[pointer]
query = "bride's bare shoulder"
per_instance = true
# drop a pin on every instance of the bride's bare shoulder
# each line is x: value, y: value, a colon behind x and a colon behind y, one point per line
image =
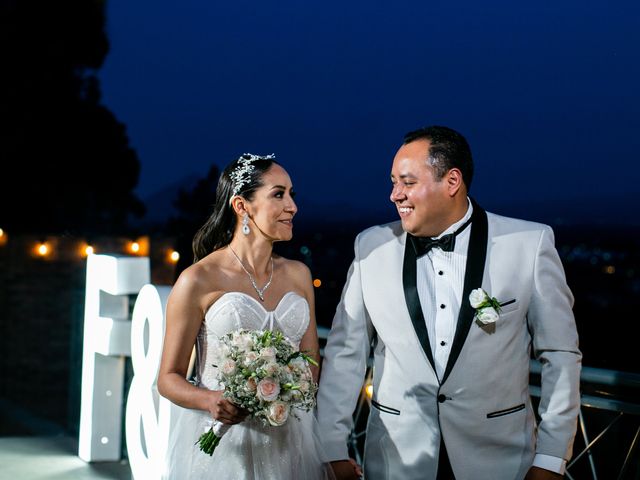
x: 297, y: 272
x: 204, y: 277
x: 295, y: 268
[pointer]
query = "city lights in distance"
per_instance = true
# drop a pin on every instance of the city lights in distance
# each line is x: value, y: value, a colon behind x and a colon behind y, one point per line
x: 1, y: 232
x: 174, y: 256
x: 609, y: 269
x: 88, y: 250
x: 134, y: 247
x: 317, y: 282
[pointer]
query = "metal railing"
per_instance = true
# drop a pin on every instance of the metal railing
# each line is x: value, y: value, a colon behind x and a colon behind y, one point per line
x: 610, y: 405
x: 612, y: 391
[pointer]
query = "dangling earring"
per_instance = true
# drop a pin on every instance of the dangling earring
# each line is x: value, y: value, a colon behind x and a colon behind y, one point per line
x: 245, y: 224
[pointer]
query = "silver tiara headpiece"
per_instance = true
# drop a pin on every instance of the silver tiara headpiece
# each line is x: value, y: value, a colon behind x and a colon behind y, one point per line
x: 241, y: 175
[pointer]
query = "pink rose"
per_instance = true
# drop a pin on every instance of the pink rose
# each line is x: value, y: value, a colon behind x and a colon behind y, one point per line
x: 251, y: 357
x: 278, y: 413
x: 268, y: 389
x: 228, y: 367
x: 251, y: 385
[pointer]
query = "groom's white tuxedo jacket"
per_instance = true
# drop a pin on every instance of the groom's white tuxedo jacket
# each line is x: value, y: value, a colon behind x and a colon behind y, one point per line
x: 481, y: 408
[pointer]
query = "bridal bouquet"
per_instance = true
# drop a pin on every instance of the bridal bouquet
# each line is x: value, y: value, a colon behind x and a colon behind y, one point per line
x: 262, y: 372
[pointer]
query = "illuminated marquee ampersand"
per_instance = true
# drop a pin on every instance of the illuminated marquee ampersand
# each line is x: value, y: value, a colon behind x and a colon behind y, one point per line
x: 147, y: 412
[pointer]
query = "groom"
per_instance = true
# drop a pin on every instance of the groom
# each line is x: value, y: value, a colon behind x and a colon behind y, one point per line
x: 451, y: 387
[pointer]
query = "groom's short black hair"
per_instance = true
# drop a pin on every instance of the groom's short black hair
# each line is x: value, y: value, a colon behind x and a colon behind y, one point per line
x: 448, y: 149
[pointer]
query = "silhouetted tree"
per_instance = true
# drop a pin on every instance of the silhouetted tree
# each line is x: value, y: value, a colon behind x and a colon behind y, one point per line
x: 73, y: 168
x: 193, y: 208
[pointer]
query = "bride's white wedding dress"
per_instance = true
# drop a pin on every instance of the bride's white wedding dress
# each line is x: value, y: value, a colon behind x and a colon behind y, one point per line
x: 249, y: 450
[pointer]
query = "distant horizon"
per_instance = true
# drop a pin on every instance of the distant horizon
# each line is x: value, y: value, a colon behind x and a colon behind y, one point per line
x: 551, y: 211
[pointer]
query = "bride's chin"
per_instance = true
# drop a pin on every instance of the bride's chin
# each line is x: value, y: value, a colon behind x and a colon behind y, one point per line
x: 282, y: 238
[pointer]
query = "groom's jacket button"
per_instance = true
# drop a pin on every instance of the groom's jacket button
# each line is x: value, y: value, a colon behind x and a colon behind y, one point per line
x: 441, y: 398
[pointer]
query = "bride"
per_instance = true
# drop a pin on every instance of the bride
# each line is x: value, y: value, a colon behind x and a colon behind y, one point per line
x: 238, y: 282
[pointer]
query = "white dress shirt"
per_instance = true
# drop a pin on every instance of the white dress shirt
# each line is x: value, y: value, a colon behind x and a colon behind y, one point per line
x: 439, y: 281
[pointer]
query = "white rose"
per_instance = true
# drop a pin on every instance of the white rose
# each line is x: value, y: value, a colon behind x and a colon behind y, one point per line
x: 268, y: 354
x: 477, y: 297
x: 298, y: 363
x: 487, y: 315
x: 268, y: 389
x: 243, y: 341
x: 278, y: 413
x: 271, y: 369
x: 228, y: 367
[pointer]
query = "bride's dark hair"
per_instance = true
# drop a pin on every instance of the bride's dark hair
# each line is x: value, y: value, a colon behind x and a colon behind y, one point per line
x: 217, y: 232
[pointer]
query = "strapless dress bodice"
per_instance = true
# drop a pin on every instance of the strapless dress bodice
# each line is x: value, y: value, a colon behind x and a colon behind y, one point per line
x: 237, y: 310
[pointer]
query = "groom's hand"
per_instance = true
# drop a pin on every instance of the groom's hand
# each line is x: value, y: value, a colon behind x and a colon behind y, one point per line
x: 346, y: 469
x: 536, y: 473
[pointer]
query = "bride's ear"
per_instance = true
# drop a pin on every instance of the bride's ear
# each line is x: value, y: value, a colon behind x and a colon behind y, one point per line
x: 238, y: 204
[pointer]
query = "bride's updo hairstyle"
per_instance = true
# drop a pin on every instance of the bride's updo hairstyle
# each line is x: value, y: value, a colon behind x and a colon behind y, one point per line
x: 241, y: 177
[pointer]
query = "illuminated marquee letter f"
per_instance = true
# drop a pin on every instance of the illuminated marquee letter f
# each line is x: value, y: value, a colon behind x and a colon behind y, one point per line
x: 107, y: 340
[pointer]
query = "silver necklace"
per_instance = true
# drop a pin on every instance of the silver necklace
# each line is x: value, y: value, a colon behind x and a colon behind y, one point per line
x: 259, y: 291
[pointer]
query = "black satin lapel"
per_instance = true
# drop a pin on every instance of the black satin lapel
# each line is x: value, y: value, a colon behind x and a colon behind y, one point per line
x: 474, y: 271
x: 409, y: 270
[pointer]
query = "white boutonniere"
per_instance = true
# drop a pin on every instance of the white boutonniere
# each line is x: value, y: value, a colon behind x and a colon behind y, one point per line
x: 487, y: 308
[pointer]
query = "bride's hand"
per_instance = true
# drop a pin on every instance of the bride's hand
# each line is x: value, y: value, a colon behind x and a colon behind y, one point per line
x: 224, y: 411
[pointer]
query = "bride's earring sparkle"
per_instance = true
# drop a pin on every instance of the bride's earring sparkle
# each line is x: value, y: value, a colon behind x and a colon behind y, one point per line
x: 245, y: 224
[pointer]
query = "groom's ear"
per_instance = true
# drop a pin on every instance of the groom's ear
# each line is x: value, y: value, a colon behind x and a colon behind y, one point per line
x: 454, y: 181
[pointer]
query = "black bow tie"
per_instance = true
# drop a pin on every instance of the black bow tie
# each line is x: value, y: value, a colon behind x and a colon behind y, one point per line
x: 446, y: 243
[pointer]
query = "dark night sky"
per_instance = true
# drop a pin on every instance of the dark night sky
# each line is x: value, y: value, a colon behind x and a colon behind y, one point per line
x: 546, y: 93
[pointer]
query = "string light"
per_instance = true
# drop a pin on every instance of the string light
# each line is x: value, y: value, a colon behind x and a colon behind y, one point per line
x: 42, y: 249
x: 139, y: 246
x: 174, y: 256
x: 317, y: 282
